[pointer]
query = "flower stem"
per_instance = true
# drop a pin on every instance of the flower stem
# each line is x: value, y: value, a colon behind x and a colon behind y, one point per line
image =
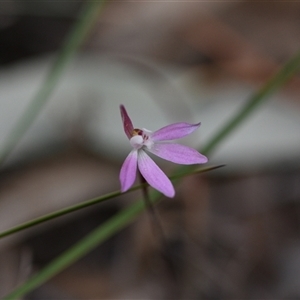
x: 157, y: 227
x: 164, y: 247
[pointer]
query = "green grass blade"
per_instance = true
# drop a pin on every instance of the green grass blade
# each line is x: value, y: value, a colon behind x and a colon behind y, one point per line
x: 85, y: 22
x: 278, y: 80
x: 90, y: 202
x: 100, y: 234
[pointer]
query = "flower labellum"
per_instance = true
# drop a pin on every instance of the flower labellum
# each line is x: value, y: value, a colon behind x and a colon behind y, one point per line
x: 156, y: 142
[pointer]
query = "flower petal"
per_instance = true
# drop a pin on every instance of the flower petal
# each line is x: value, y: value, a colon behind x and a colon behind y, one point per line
x: 128, y: 171
x: 127, y: 124
x: 154, y: 175
x: 178, y: 154
x: 174, y: 131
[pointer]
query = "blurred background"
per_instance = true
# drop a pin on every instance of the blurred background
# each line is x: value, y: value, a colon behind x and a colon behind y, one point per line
x: 232, y: 233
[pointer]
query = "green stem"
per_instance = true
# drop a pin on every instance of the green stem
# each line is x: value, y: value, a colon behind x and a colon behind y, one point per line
x: 88, y: 203
x: 288, y: 70
x: 91, y: 241
x: 62, y: 212
x: 79, y: 32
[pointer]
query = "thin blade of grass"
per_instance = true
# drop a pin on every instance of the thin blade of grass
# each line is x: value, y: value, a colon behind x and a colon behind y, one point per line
x: 278, y: 80
x: 79, y: 32
x: 91, y: 202
x: 91, y: 241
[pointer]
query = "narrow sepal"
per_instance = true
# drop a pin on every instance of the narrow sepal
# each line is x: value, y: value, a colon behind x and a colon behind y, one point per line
x: 154, y: 175
x: 178, y: 153
x: 128, y: 171
x: 174, y: 131
x: 127, y: 124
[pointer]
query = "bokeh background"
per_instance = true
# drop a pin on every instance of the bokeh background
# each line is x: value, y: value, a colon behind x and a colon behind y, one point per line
x: 233, y: 232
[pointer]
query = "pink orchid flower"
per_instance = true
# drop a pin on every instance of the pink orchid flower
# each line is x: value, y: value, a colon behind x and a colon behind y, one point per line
x: 156, y: 142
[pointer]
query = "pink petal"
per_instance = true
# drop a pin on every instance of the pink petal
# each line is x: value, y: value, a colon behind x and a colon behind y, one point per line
x: 127, y: 124
x: 154, y: 175
x: 179, y: 154
x: 128, y: 171
x: 174, y: 131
